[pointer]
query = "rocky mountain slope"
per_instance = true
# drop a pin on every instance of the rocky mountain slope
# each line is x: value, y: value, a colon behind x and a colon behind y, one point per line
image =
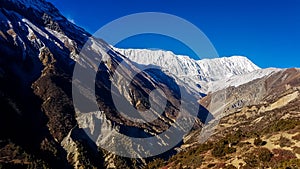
x: 260, y: 128
x: 36, y: 107
x: 39, y: 125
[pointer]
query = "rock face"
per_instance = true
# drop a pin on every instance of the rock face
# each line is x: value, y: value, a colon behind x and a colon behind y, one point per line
x: 39, y: 48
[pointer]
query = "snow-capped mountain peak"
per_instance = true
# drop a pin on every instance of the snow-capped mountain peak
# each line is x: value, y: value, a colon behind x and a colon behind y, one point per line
x: 198, y: 75
x: 180, y: 65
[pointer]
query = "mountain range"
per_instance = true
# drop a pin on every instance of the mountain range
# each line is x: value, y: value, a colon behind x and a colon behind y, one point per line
x: 205, y: 75
x: 245, y: 110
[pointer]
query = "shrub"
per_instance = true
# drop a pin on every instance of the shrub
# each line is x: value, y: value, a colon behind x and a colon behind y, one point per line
x: 264, y: 155
x: 283, y: 125
x: 259, y: 142
x: 282, y: 155
x: 235, y: 138
x: 211, y: 165
x: 222, y: 148
x: 284, y: 142
x: 251, y: 160
x: 203, y: 148
x: 229, y: 150
x: 218, y: 150
x: 157, y: 163
x: 190, y: 158
x: 289, y: 164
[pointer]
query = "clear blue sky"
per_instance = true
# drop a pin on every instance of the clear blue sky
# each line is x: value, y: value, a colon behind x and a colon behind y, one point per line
x: 266, y: 31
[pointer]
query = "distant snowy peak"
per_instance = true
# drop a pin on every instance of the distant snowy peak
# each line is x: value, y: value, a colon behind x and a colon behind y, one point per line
x: 184, y: 66
x: 236, y: 65
x: 238, y: 80
x: 199, y: 76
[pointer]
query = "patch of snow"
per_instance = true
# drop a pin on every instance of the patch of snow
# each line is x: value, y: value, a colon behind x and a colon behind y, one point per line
x: 35, y: 28
x: 62, y: 38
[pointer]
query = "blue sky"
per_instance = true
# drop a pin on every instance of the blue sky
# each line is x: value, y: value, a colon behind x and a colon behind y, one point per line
x: 267, y: 32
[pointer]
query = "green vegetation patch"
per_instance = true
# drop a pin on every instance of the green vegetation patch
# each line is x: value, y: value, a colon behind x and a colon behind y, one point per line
x: 282, y: 125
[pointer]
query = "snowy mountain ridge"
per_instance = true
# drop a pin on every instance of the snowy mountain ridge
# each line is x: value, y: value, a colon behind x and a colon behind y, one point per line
x: 204, y: 75
x: 238, y: 80
x: 208, y: 69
